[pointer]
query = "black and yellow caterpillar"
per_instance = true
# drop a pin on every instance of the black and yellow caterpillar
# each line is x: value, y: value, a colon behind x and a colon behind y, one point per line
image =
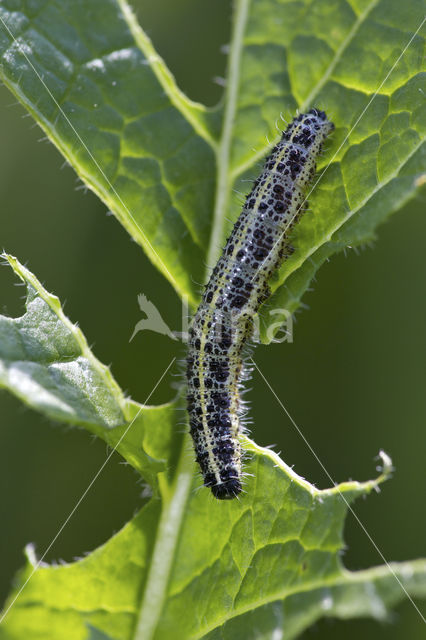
x: 238, y: 285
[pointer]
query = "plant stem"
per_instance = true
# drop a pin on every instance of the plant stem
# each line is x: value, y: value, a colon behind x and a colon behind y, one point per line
x: 165, y: 547
x: 223, y: 156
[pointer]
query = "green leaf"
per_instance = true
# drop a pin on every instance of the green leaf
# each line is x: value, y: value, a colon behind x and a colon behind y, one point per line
x: 212, y: 570
x: 46, y: 362
x: 335, y: 56
x: 168, y: 168
x: 92, y: 80
x: 270, y: 560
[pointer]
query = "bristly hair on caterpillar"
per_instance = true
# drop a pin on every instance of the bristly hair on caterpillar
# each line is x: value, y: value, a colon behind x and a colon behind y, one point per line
x: 257, y: 246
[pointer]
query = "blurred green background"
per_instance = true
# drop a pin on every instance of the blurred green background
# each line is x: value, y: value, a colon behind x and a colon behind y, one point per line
x: 354, y: 378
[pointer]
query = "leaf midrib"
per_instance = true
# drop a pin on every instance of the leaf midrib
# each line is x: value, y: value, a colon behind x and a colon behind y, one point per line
x: 166, y: 540
x: 223, y: 154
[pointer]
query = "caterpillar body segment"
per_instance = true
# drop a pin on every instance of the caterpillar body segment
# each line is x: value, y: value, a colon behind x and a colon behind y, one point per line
x: 238, y: 285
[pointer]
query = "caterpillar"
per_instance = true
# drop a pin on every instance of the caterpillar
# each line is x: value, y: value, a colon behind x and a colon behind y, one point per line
x: 257, y: 246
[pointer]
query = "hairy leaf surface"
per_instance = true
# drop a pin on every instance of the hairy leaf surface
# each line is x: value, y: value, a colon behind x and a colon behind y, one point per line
x: 46, y: 362
x: 169, y: 169
x: 244, y: 569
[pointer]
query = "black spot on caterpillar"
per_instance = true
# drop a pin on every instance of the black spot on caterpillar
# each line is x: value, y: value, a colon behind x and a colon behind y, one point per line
x: 238, y: 285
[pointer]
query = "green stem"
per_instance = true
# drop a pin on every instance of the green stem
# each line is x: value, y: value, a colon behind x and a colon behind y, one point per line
x: 223, y: 157
x: 165, y: 547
